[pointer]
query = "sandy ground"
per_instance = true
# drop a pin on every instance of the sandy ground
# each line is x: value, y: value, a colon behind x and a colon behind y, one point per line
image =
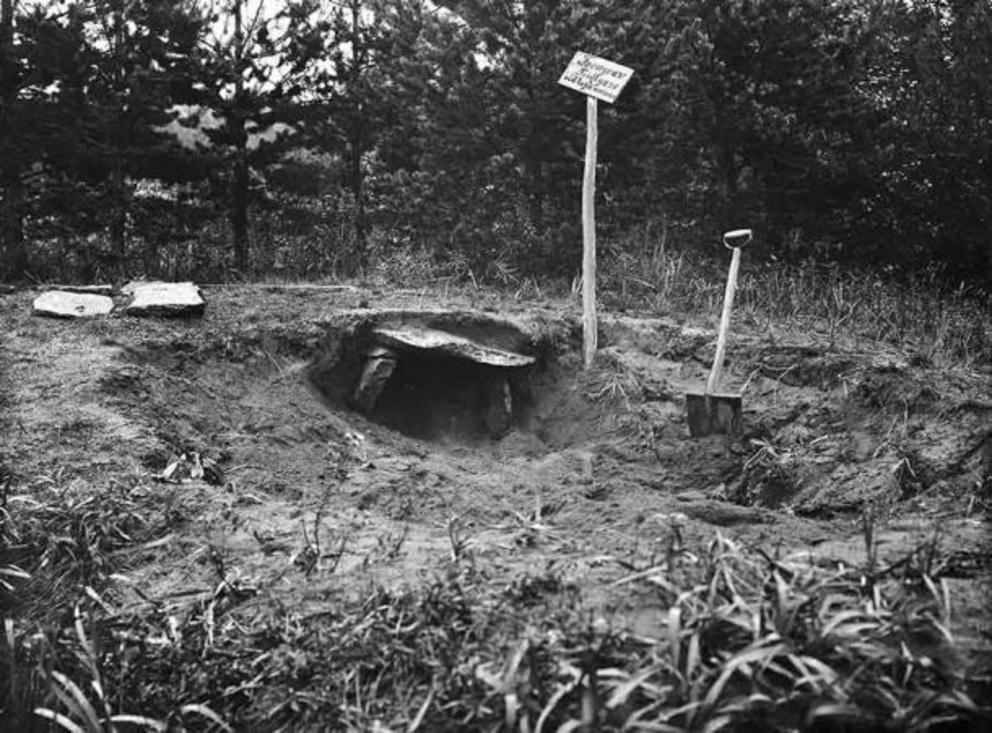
x: 583, y: 485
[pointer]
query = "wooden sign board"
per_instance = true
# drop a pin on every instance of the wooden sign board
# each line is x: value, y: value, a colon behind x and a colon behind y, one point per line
x: 596, y: 77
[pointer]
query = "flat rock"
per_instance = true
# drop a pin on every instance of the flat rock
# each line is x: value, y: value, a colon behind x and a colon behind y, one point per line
x: 430, y: 339
x: 164, y: 299
x: 62, y: 304
x: 90, y: 289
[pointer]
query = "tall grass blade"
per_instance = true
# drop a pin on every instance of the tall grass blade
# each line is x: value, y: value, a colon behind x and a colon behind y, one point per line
x: 73, y: 698
x: 142, y: 720
x: 60, y: 720
x: 207, y: 713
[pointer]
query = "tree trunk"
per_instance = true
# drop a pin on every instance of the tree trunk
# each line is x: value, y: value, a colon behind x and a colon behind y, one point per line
x: 152, y: 247
x: 358, y: 135
x: 239, y: 179
x: 533, y: 150
x: 358, y: 191
x: 118, y: 217
x: 729, y: 178
x: 13, y: 253
x: 535, y: 182
x: 118, y: 194
x: 239, y: 199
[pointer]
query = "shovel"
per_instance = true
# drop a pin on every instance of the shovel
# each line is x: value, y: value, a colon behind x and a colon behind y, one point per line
x: 713, y: 412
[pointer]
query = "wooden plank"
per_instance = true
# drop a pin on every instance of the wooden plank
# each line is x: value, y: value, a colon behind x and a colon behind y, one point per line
x: 596, y: 77
x: 590, y: 334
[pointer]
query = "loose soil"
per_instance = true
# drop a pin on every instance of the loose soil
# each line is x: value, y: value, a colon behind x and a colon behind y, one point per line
x: 583, y: 483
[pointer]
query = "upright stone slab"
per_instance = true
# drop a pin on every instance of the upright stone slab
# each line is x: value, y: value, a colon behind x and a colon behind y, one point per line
x: 379, y: 367
x: 164, y: 299
x: 61, y: 304
x: 498, y: 413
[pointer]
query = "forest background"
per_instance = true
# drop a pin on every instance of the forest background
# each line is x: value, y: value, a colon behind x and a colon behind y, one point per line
x: 313, y: 139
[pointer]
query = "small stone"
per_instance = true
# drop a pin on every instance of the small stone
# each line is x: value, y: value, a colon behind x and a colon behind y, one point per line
x: 521, y: 443
x: 600, y: 626
x: 164, y: 299
x: 723, y: 514
x: 61, y: 304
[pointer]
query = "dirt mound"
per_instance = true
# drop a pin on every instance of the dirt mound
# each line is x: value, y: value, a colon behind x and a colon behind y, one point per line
x: 883, y: 433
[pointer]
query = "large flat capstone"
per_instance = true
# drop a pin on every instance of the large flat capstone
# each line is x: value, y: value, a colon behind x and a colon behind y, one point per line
x: 443, y: 342
x: 164, y: 299
x: 62, y: 304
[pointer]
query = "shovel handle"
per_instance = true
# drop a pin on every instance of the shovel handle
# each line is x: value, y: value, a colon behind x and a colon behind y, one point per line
x: 737, y: 238
x: 728, y: 304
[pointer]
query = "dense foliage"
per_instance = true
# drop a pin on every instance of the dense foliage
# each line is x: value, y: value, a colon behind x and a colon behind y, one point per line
x: 172, y: 137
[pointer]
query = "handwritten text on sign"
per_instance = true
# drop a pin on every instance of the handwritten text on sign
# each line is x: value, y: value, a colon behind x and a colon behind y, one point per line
x: 596, y: 77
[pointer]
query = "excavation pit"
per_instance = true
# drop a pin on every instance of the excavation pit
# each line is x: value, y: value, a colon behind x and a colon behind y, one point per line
x: 446, y: 376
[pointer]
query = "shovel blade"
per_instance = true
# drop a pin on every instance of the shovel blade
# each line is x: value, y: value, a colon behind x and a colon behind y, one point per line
x: 713, y: 414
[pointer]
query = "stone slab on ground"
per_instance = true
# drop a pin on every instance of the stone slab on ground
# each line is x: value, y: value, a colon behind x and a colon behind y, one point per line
x: 430, y: 339
x: 164, y: 299
x: 89, y: 289
x: 62, y: 304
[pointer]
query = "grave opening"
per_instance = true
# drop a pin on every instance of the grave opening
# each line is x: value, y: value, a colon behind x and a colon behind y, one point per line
x: 428, y: 381
x: 433, y: 397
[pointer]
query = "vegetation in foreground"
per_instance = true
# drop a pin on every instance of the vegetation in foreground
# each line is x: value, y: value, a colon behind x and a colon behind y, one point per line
x: 753, y: 641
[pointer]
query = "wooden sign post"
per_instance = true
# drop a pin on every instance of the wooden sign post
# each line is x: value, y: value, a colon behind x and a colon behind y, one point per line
x: 598, y: 79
